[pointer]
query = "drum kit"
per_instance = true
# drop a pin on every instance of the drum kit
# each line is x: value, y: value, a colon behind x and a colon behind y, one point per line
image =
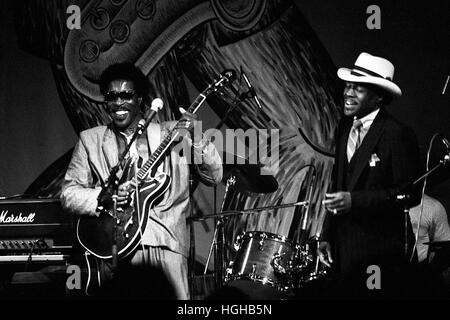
x: 264, y: 265
x: 267, y: 264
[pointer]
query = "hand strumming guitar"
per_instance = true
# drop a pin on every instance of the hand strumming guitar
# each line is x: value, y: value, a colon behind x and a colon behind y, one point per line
x: 124, y: 192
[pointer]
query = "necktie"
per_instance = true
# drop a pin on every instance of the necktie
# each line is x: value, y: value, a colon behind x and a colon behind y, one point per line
x: 354, y: 139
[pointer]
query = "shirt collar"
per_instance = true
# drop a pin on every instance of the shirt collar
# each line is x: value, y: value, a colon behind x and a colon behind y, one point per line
x: 368, y: 119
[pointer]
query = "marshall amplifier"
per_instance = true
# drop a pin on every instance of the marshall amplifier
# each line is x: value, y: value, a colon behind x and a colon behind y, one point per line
x: 34, y: 229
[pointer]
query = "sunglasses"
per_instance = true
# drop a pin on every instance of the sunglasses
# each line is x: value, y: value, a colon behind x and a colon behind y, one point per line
x: 123, y: 95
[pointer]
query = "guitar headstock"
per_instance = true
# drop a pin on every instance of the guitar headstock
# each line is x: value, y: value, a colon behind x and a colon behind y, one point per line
x: 226, y: 77
x: 229, y: 74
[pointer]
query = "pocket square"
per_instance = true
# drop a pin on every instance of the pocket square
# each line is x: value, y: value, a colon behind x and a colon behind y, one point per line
x: 373, y: 160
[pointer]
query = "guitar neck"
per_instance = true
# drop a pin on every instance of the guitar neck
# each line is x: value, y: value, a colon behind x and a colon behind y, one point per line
x: 168, y: 139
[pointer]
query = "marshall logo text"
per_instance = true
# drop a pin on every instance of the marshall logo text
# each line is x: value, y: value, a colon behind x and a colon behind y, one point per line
x: 11, y: 218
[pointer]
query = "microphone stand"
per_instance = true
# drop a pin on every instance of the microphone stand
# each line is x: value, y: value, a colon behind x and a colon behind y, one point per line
x: 111, y: 189
x: 403, y: 197
x: 191, y: 267
x: 218, y: 243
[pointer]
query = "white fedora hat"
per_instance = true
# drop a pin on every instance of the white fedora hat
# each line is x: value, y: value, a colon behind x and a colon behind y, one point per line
x: 371, y: 69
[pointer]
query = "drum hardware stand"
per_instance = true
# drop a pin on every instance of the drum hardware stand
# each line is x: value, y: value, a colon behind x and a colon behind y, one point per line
x: 316, y: 273
x: 191, y: 266
x: 305, y: 218
x: 219, y: 259
x: 218, y: 242
x: 304, y: 238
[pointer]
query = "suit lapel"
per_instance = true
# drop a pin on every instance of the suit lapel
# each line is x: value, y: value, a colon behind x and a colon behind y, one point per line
x: 364, y: 152
x: 154, y: 136
x: 110, y: 148
x: 154, y: 139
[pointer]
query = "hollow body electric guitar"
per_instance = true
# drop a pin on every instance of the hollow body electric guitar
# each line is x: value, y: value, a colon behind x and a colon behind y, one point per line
x: 96, y: 234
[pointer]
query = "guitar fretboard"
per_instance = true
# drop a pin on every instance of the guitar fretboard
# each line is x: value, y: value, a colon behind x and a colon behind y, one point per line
x: 155, y: 156
x: 168, y: 137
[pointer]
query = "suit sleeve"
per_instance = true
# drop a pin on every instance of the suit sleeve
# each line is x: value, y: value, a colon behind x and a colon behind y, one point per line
x: 78, y: 195
x: 405, y: 167
x: 208, y: 163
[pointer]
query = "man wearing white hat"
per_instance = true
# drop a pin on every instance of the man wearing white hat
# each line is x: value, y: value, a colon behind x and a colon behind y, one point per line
x: 375, y: 157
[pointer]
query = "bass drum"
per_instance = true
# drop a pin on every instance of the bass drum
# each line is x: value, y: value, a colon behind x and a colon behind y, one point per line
x: 260, y: 268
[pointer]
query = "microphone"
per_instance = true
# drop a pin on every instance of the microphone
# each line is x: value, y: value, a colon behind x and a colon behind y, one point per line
x: 157, y: 105
x: 251, y: 89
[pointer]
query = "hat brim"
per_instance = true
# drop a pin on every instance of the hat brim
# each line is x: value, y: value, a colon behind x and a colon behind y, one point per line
x: 345, y: 74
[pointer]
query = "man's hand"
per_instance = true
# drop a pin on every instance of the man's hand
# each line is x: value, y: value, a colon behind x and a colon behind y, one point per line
x: 324, y: 253
x: 187, y: 120
x: 124, y: 192
x: 338, y: 202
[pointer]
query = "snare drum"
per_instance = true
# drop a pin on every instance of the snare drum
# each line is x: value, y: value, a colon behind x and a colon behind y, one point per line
x: 264, y: 258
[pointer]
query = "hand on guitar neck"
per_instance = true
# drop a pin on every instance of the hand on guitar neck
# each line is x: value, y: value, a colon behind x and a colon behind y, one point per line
x: 187, y: 120
x: 185, y: 125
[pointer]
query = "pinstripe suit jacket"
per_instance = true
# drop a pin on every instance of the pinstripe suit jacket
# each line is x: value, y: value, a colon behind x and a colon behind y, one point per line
x: 387, y: 160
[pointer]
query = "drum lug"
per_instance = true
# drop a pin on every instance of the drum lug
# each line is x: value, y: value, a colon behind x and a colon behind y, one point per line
x: 229, y: 272
x: 275, y: 263
x: 237, y: 242
x: 261, y: 242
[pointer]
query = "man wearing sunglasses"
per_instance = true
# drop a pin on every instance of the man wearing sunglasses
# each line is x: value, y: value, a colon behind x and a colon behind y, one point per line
x: 158, y: 268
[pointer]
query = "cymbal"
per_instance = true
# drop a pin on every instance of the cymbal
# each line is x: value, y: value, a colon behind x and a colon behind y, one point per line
x: 249, y: 178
